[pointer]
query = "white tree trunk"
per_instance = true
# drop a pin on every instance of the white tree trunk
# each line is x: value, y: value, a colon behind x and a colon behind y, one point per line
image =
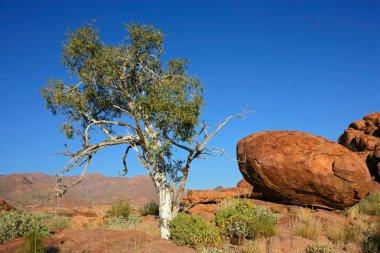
x: 165, y: 211
x: 165, y: 203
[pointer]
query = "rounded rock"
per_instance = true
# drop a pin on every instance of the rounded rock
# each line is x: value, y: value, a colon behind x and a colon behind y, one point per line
x: 300, y: 168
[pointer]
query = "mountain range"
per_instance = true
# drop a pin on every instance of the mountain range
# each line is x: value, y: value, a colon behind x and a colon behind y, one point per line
x: 25, y: 190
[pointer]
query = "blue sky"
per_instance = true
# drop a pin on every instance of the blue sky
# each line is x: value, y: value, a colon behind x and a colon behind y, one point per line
x: 311, y: 66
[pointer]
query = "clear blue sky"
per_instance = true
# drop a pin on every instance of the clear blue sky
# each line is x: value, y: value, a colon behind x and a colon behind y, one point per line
x: 311, y: 66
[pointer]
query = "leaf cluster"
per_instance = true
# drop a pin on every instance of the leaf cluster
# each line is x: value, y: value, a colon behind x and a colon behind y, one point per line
x: 245, y: 220
x: 119, y: 209
x: 14, y: 224
x: 130, y: 76
x: 192, y: 230
x: 150, y: 208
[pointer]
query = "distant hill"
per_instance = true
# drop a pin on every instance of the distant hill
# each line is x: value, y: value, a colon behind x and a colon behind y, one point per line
x: 37, y: 189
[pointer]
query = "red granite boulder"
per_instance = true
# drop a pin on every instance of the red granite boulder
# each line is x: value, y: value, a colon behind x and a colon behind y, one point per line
x: 300, y: 168
x: 363, y: 137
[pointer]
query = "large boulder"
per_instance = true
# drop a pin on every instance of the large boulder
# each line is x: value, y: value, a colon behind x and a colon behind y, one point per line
x: 363, y: 137
x: 300, y: 168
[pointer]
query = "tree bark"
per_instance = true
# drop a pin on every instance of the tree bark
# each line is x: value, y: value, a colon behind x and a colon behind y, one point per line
x: 165, y: 205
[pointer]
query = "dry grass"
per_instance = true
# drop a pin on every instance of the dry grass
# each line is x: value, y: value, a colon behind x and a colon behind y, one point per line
x: 259, y: 245
x: 356, y: 231
x: 306, y: 225
x: 336, y: 232
x: 150, y: 227
x: 229, y: 203
x: 277, y: 208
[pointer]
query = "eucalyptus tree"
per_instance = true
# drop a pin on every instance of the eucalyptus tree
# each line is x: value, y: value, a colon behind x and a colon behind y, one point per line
x: 135, y: 100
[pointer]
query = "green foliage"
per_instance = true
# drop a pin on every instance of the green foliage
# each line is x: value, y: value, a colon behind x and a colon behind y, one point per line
x: 193, y: 231
x: 130, y: 76
x: 317, y: 247
x: 14, y: 224
x: 371, y: 204
x: 120, y: 208
x: 372, y: 244
x: 150, y: 208
x: 57, y: 222
x: 238, y: 228
x: 33, y: 243
x: 121, y: 222
x: 245, y: 219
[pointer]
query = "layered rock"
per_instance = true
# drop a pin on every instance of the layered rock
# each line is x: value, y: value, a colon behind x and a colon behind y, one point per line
x: 300, y: 168
x: 203, y: 201
x: 195, y: 197
x: 363, y: 137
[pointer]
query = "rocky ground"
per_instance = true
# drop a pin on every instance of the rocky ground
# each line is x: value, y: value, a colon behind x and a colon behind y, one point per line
x: 323, y: 180
x: 87, y: 231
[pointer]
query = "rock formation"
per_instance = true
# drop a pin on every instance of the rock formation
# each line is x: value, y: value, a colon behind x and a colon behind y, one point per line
x: 300, y: 168
x: 363, y: 137
x: 194, y: 197
x: 204, y: 201
x: 4, y: 206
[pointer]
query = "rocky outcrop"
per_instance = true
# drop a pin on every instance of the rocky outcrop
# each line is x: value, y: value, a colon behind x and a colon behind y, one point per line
x: 204, y: 201
x: 4, y: 206
x: 363, y: 137
x: 300, y: 168
x: 195, y: 197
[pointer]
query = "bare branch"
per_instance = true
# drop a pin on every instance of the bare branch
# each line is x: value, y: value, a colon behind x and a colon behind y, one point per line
x: 177, y: 144
x: 86, y: 153
x: 125, y: 170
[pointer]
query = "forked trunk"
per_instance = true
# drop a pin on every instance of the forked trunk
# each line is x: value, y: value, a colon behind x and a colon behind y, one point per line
x: 165, y: 211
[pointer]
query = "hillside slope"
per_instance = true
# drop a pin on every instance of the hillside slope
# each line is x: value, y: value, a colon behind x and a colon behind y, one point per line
x: 37, y: 189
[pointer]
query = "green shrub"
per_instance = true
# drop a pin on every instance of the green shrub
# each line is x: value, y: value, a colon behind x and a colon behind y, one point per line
x: 119, y: 208
x: 317, y: 247
x: 150, y: 208
x: 372, y: 244
x: 193, y: 231
x: 238, y: 228
x: 15, y: 224
x: 121, y: 222
x: 371, y: 204
x: 33, y: 243
x: 57, y: 222
x: 245, y: 219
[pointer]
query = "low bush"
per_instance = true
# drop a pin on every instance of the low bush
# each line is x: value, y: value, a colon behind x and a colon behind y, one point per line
x: 372, y: 244
x: 193, y: 231
x: 245, y: 220
x: 120, y: 208
x: 150, y: 208
x: 33, y: 243
x: 57, y: 222
x: 371, y: 204
x: 15, y: 224
x: 317, y: 247
x: 121, y: 222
